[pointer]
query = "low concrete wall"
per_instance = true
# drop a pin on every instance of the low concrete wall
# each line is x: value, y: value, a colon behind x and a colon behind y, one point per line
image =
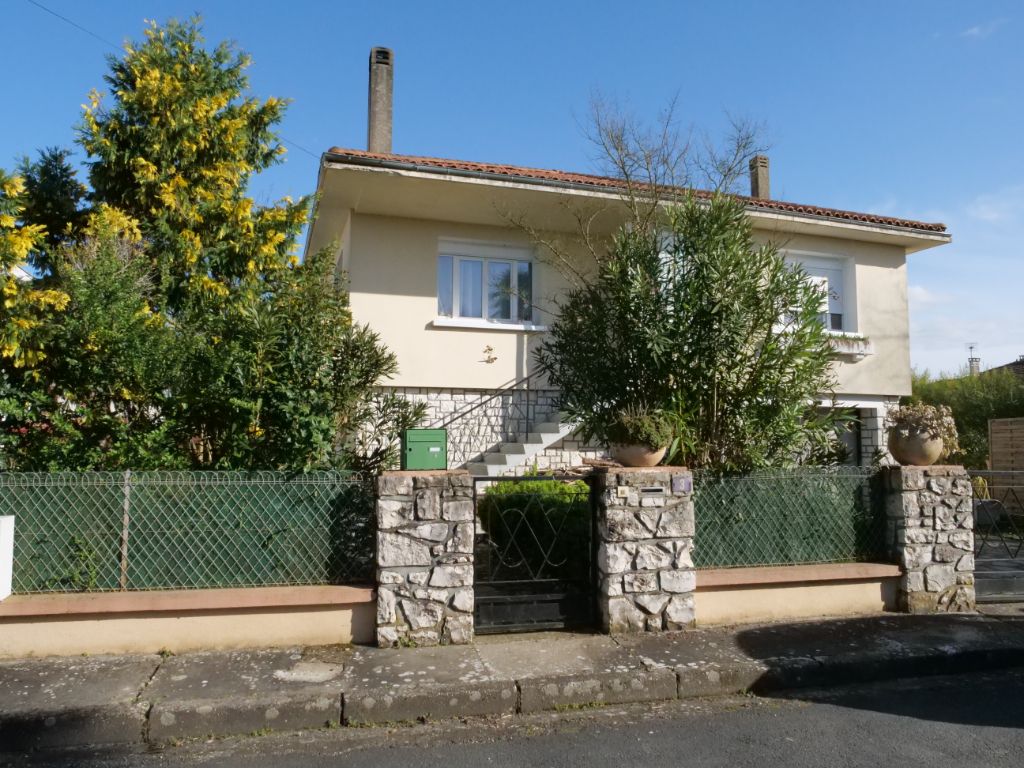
x: 749, y: 595
x: 185, y: 620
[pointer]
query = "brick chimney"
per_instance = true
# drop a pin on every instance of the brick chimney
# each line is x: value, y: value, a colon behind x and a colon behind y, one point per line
x: 378, y: 128
x: 759, y: 184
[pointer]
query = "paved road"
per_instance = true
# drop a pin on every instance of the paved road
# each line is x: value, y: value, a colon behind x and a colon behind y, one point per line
x: 956, y: 721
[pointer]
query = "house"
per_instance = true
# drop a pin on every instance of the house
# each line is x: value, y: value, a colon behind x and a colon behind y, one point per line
x: 431, y: 252
x: 1016, y: 367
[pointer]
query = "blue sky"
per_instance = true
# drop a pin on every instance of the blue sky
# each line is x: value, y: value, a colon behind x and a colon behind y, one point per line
x: 903, y: 108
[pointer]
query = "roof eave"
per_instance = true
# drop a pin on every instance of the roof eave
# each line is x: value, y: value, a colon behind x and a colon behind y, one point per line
x: 923, y: 238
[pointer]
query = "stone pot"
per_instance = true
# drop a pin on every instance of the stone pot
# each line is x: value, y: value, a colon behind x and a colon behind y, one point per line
x: 637, y: 455
x: 913, y: 447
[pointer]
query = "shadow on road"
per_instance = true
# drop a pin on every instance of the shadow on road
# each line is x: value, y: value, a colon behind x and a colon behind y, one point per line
x: 824, y: 661
x: 992, y: 699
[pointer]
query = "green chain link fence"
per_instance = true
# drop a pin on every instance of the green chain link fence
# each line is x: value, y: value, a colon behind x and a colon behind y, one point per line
x: 789, y: 517
x: 97, y: 531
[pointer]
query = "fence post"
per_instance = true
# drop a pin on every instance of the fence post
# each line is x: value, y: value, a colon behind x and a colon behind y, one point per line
x: 6, y: 555
x: 645, y: 528
x: 125, y: 519
x: 425, y: 536
x: 931, y: 522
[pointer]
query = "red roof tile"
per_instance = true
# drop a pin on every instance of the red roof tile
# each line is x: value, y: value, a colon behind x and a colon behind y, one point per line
x: 608, y: 182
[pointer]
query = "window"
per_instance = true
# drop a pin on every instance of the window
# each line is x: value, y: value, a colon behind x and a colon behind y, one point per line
x: 830, y: 274
x: 831, y: 280
x: 489, y: 283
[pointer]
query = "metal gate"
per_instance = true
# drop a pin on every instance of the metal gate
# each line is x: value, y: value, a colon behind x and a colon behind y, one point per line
x: 534, y: 554
x: 998, y: 536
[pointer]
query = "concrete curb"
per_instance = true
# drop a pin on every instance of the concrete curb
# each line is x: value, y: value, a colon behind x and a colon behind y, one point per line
x: 868, y: 668
x: 171, y: 720
x: 52, y: 704
x: 571, y: 691
x: 73, y: 727
x: 165, y: 720
x: 431, y: 702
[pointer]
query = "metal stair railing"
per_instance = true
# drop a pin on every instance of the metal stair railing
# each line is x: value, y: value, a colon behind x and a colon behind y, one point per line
x: 480, y: 426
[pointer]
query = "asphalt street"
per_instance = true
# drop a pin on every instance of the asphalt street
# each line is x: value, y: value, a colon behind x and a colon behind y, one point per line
x: 968, y: 721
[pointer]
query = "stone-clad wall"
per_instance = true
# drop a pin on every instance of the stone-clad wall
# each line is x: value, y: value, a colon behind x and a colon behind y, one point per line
x: 497, y: 419
x: 931, y: 522
x: 645, y: 525
x: 425, y: 534
x: 489, y: 421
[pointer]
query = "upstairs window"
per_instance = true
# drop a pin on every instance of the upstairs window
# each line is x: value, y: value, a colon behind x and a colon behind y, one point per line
x: 494, y: 284
x: 835, y: 277
x: 831, y: 281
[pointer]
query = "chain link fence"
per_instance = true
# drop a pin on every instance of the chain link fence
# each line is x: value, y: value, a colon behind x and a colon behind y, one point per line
x: 95, y: 531
x: 789, y: 517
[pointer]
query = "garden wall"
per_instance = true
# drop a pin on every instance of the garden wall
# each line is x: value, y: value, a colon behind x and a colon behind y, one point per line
x: 747, y: 595
x: 184, y: 620
x: 139, y: 562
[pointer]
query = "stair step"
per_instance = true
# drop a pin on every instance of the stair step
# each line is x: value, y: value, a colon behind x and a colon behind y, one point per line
x: 512, y: 454
x: 549, y: 426
x: 496, y: 457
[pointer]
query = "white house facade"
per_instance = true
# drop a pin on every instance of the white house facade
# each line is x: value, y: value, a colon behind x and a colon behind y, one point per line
x: 461, y: 294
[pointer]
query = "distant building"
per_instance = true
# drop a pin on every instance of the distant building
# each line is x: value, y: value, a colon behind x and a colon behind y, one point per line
x: 1017, y: 367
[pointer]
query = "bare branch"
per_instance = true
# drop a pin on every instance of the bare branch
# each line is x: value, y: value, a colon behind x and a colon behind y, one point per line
x: 720, y: 165
x: 551, y: 248
x: 657, y: 163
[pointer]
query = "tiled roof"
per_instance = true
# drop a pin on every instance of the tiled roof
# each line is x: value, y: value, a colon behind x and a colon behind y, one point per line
x: 608, y: 182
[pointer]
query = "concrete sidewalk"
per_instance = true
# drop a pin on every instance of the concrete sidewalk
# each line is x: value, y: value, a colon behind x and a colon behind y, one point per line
x: 154, y: 700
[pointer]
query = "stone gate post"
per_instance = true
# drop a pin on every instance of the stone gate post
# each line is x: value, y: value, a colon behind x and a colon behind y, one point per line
x: 425, y: 533
x: 645, y: 528
x: 931, y: 525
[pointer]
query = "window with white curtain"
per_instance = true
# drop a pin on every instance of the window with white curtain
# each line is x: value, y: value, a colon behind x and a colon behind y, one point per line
x: 831, y: 281
x: 488, y: 283
x: 830, y: 274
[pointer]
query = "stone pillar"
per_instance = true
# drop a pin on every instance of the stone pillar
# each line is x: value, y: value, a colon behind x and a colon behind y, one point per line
x: 425, y: 537
x: 931, y: 524
x: 645, y: 529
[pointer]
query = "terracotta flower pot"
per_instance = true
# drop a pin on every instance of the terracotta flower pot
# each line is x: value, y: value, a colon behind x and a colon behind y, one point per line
x: 637, y: 455
x: 913, y: 447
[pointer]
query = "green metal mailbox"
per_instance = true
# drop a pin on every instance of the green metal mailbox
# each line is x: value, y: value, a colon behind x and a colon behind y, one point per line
x: 425, y: 449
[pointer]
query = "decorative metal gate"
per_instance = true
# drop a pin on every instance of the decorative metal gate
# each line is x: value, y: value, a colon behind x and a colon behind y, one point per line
x: 998, y: 535
x: 534, y: 554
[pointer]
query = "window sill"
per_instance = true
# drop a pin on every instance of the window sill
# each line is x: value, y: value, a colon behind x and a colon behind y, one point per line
x: 486, y: 325
x: 851, y: 347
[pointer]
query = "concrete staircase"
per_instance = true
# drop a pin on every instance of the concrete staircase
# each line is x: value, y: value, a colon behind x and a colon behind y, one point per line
x: 515, y: 458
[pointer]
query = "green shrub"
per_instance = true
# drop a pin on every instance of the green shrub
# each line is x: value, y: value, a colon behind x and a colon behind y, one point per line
x: 640, y: 426
x: 974, y: 400
x: 536, y: 529
x: 692, y: 317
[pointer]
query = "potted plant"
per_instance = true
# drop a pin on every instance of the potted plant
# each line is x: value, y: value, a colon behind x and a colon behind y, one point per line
x: 638, y: 436
x: 922, y: 434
